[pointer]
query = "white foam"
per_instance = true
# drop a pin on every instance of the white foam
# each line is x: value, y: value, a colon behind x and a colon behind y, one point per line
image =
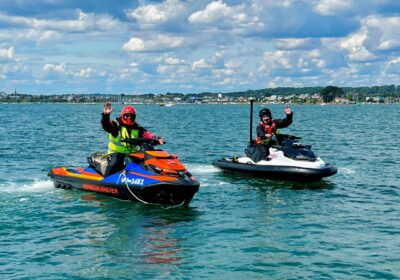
x: 35, y: 186
x: 201, y: 169
x: 346, y: 171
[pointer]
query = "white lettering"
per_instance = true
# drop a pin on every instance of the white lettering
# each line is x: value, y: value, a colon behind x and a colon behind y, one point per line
x: 131, y: 181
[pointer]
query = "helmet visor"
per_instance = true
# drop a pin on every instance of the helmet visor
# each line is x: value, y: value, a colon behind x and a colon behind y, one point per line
x: 129, y: 116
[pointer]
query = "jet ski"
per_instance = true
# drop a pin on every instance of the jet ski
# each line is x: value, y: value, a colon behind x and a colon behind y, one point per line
x: 288, y: 159
x: 151, y: 176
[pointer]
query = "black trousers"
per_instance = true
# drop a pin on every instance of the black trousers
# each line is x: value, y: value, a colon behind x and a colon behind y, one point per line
x: 115, y: 163
x: 257, y: 152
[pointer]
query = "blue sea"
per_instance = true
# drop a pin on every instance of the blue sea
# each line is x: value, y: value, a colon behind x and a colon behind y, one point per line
x: 237, y: 227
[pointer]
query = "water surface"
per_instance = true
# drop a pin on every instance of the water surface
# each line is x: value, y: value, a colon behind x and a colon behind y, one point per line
x: 345, y: 227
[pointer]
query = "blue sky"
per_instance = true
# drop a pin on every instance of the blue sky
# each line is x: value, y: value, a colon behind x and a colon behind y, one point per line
x: 134, y: 47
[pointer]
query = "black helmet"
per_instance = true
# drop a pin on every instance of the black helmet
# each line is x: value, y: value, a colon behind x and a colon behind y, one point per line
x: 265, y: 111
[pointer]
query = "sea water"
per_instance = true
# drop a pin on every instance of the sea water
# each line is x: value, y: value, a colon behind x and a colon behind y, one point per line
x: 237, y: 227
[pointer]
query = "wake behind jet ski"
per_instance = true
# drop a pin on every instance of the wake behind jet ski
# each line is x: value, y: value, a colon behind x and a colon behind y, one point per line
x: 286, y: 159
x: 150, y: 176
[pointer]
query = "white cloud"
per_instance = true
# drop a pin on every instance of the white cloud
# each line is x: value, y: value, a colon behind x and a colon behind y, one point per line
x: 217, y: 13
x: 173, y: 61
x: 214, y: 11
x: 39, y: 35
x: 83, y: 22
x: 317, y: 58
x: 200, y: 64
x: 7, y: 54
x: 376, y: 35
x: 231, y: 67
x: 354, y: 44
x: 149, y: 14
x: 84, y: 73
x: 171, y: 65
x: 125, y: 73
x: 154, y: 14
x: 222, y: 72
x: 21, y: 36
x: 393, y: 67
x: 233, y: 64
x: 62, y: 69
x: 134, y: 44
x: 162, y: 69
x: 134, y: 65
x: 295, y: 43
x: 384, y: 32
x: 332, y: 7
x: 261, y: 5
x: 293, y: 63
x: 276, y: 60
x: 156, y: 44
x: 232, y: 82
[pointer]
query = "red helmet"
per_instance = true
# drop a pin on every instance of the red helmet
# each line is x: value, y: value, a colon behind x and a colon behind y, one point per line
x: 128, y: 115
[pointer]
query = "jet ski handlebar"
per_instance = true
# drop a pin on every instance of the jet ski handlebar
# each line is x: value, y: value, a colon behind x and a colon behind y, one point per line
x: 141, y: 141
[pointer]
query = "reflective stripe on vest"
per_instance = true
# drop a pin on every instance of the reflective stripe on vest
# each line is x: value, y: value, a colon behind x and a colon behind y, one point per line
x: 115, y: 144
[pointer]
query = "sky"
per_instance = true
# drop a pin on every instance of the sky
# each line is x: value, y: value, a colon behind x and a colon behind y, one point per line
x: 192, y: 46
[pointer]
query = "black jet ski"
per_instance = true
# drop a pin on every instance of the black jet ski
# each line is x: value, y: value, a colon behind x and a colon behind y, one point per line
x: 288, y: 159
x: 151, y: 176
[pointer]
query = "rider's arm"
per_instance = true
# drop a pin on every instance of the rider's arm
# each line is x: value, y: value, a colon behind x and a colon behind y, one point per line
x: 260, y: 132
x: 282, y: 123
x: 143, y: 133
x: 108, y: 125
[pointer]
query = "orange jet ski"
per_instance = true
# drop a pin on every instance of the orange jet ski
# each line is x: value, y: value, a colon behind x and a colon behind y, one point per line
x: 151, y: 176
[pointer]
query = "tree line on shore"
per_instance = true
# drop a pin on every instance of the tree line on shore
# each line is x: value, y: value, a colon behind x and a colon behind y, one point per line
x: 325, y: 94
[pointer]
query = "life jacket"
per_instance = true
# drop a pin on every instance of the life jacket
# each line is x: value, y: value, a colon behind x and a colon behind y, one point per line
x: 268, y: 129
x: 116, y: 146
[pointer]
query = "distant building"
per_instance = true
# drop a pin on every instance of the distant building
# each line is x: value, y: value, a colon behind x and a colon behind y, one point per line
x: 378, y: 99
x: 341, y: 100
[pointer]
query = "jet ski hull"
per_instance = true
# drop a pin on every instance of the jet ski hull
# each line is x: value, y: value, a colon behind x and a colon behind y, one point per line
x: 146, y: 188
x: 281, y: 172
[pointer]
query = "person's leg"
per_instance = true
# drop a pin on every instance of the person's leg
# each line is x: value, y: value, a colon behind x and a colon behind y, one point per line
x: 115, y: 163
x: 266, y: 147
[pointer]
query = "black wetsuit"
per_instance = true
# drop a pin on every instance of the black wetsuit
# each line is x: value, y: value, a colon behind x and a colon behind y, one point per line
x: 279, y: 123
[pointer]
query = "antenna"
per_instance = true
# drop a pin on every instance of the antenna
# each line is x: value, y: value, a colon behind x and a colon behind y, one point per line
x: 251, y: 119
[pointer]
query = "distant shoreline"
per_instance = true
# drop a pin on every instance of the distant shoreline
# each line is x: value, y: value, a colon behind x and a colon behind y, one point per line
x: 209, y: 103
x: 280, y: 95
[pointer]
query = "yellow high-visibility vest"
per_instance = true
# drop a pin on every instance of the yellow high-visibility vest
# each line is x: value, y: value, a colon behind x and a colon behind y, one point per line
x: 116, y: 146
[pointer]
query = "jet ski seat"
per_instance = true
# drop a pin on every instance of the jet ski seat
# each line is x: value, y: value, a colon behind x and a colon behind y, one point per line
x: 298, y: 151
x: 98, y: 161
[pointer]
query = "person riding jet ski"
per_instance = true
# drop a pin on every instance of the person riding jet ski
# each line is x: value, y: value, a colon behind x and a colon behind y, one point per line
x: 276, y: 156
x: 266, y: 129
x: 124, y: 127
